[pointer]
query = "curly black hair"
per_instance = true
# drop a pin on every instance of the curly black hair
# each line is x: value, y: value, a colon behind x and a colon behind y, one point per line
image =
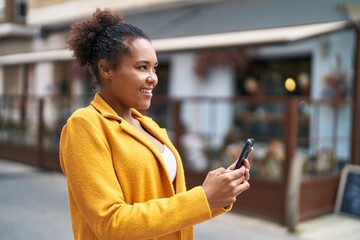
x: 104, y: 35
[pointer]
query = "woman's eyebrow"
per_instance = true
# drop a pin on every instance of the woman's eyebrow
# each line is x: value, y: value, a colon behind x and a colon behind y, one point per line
x: 146, y: 62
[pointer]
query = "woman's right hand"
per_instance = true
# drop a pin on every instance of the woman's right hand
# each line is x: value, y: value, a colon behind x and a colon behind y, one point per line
x: 222, y: 186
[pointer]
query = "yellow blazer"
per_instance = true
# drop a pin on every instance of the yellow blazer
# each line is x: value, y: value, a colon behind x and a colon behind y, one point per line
x: 118, y: 185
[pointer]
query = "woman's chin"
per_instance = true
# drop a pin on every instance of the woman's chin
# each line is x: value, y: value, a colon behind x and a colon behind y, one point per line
x: 144, y: 106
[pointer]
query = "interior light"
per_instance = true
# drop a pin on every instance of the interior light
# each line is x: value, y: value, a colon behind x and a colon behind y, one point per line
x: 290, y: 85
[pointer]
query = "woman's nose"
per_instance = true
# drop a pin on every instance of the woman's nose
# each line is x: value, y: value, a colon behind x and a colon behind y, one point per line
x: 152, y: 78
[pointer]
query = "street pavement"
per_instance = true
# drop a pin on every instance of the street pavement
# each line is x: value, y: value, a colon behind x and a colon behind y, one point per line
x: 33, y: 205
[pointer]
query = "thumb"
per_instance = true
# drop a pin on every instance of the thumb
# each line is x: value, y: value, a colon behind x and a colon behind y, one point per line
x: 232, y: 166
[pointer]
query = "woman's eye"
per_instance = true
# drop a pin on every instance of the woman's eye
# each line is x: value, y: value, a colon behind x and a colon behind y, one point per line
x: 142, y: 67
x: 146, y: 68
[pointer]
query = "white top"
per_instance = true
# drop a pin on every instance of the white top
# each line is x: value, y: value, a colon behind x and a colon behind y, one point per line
x: 170, y: 162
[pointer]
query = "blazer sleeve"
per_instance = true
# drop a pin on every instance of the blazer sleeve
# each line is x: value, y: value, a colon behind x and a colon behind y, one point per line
x: 86, y: 161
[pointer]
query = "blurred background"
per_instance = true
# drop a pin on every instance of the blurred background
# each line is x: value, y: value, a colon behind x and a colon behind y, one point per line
x: 284, y: 72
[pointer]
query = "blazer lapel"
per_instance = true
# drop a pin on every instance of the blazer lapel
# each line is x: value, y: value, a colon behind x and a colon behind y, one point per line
x: 159, y: 133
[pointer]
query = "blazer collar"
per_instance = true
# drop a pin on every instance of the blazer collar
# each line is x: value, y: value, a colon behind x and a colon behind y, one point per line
x: 106, y: 111
x: 103, y: 108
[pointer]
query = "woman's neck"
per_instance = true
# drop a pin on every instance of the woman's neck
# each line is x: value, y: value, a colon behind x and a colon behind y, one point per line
x: 121, y: 111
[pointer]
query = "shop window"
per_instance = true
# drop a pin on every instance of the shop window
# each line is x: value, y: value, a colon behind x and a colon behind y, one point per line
x: 20, y: 9
x: 275, y: 77
x: 159, y: 107
x: 162, y: 71
x: 272, y: 78
x: 264, y: 120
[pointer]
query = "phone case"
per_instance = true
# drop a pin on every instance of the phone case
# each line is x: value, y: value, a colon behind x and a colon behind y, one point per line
x: 245, y: 152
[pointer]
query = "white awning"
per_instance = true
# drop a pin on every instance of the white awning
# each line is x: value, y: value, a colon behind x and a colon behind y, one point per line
x: 43, y: 56
x: 251, y: 37
x: 13, y: 29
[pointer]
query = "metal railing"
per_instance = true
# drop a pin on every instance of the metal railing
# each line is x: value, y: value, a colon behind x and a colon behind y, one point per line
x: 319, y: 132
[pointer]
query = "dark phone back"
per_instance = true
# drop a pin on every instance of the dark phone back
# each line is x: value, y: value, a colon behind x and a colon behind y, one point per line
x: 245, y: 152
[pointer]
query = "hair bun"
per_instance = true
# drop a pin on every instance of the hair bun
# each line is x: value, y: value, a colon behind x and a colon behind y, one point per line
x: 105, y: 18
x: 104, y: 35
x: 84, y: 34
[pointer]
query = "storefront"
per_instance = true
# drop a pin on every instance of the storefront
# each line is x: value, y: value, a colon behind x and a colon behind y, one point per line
x: 297, y: 98
x: 294, y: 88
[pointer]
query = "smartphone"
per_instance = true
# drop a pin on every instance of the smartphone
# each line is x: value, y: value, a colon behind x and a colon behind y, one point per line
x: 245, y: 152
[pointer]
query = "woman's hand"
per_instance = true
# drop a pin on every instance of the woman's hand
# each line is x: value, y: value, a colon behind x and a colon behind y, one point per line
x: 222, y: 186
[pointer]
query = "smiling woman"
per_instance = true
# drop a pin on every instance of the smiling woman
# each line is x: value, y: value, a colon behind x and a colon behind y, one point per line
x: 131, y: 82
x: 125, y: 178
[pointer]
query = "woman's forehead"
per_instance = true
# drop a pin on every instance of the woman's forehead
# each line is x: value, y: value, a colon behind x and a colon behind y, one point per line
x: 142, y: 48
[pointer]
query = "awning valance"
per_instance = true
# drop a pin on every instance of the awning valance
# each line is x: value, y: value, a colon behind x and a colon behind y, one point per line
x: 251, y: 37
x: 243, y: 38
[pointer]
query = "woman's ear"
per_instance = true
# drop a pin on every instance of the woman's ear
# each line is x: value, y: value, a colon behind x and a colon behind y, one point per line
x: 104, y: 69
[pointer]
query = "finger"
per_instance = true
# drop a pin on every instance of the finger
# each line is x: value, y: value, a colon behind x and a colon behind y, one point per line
x: 243, y: 167
x: 239, y: 181
x: 247, y: 174
x: 226, y: 171
x: 237, y: 173
x: 242, y: 187
x: 250, y: 151
x: 218, y: 171
x: 232, y: 166
x: 246, y: 163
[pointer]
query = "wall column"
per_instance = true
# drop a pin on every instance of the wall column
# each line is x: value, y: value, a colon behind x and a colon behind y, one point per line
x: 355, y: 151
x: 1, y: 80
x: 44, y: 87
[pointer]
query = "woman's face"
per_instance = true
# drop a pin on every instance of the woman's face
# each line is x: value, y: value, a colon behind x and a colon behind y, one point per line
x: 130, y: 85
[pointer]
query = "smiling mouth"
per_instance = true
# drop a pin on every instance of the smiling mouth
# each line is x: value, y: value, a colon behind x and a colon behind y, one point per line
x: 147, y: 91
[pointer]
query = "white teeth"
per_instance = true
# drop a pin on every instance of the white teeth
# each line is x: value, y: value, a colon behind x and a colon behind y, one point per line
x: 146, y: 90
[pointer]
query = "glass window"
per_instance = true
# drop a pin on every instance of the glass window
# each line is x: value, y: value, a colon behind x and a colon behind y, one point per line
x: 158, y: 110
x: 2, y: 10
x: 20, y: 9
x: 275, y: 77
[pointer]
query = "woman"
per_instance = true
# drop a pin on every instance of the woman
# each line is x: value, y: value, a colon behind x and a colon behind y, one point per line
x: 125, y: 178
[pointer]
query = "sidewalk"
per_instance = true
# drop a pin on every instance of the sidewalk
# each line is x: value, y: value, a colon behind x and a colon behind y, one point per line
x: 33, y: 205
